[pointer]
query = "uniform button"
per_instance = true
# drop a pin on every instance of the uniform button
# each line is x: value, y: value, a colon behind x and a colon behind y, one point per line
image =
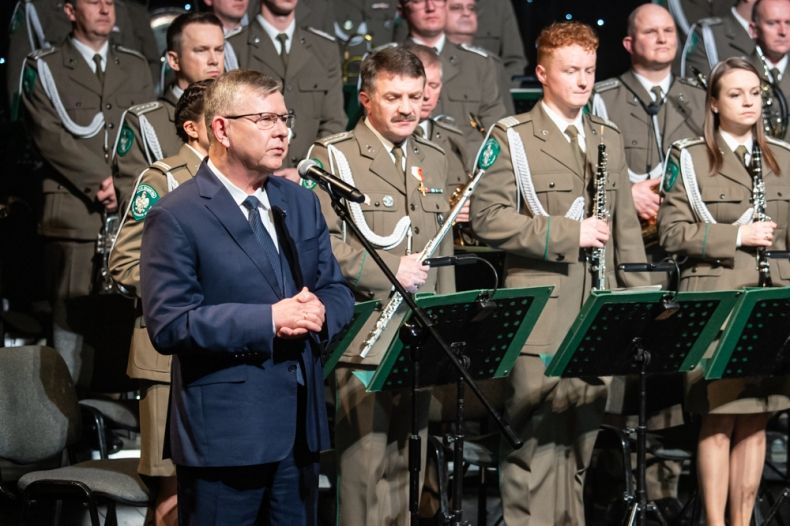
x: 694, y: 270
x: 111, y: 126
x: 87, y: 190
x: 721, y: 196
x: 560, y: 257
x: 437, y: 206
x: 416, y: 230
x: 108, y: 106
x: 78, y: 104
x: 633, y: 143
x: 779, y: 194
x: 412, y: 207
x: 551, y: 184
x: 376, y: 204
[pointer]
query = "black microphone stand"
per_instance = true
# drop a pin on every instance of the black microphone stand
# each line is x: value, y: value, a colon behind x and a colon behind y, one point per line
x: 414, y: 333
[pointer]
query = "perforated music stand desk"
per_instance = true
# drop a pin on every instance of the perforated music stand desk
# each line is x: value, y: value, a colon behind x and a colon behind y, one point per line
x: 362, y: 312
x: 600, y: 341
x: 493, y: 338
x: 756, y: 339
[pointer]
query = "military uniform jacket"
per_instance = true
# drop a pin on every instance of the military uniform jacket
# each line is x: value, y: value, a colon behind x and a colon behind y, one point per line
x: 79, y: 165
x: 459, y: 160
x: 728, y: 38
x: 133, y: 31
x: 312, y: 85
x: 389, y: 199
x: 783, y: 85
x: 144, y: 361
x: 544, y: 250
x: 686, y: 12
x: 714, y: 262
x: 624, y: 101
x: 469, y: 85
x: 319, y: 14
x: 379, y: 19
x: 497, y: 31
x: 132, y: 152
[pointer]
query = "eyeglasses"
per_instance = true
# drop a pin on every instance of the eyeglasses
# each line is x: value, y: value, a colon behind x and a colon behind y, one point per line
x: 266, y: 120
x: 420, y: 3
x: 457, y: 8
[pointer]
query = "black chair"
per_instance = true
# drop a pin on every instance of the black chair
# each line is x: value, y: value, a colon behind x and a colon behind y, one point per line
x: 42, y: 421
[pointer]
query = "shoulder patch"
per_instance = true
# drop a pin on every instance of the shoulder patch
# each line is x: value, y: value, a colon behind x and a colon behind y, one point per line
x: 606, y: 85
x: 128, y: 51
x: 125, y: 140
x: 670, y: 174
x: 337, y: 137
x: 29, y: 79
x: 144, y: 198
x: 474, y: 49
x: 488, y: 154
x: 509, y: 122
x: 17, y: 19
x: 141, y: 109
x: 321, y: 34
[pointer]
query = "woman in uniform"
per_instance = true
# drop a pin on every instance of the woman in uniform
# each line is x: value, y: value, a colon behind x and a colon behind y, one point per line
x: 707, y: 220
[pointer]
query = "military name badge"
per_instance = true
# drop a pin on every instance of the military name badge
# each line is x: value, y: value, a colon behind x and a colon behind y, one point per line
x: 144, y: 198
x: 488, y: 154
x: 670, y: 175
x: 125, y: 140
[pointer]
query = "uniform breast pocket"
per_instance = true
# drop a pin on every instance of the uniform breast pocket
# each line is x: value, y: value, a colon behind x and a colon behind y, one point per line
x: 436, y: 204
x: 555, y: 190
x: 82, y: 111
x: 465, y: 93
x: 726, y: 203
x: 382, y: 210
x: 312, y: 90
x: 777, y: 199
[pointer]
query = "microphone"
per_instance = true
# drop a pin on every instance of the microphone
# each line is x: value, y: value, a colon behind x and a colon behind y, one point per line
x: 446, y: 261
x: 662, y: 266
x: 311, y: 169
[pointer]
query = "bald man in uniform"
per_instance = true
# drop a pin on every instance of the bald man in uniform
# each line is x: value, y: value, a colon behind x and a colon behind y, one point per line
x: 545, y: 226
x: 74, y: 121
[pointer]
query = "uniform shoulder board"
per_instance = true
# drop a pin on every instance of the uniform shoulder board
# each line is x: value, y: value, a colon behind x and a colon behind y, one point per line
x: 682, y: 144
x: 509, y: 122
x: 691, y: 82
x: 146, y: 107
x: 426, y: 142
x: 709, y: 21
x: 474, y: 49
x: 448, y: 125
x: 321, y: 33
x: 600, y: 120
x: 778, y: 142
x: 41, y: 53
x: 131, y: 52
x: 606, y: 85
x: 331, y: 139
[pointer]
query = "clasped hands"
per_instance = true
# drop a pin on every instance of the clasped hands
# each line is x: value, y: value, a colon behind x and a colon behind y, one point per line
x: 296, y: 316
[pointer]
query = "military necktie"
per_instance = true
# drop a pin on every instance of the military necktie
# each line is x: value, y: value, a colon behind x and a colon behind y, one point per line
x: 282, y: 38
x: 658, y: 93
x: 741, y: 152
x: 397, y: 151
x: 573, y: 134
x: 99, y: 71
x: 775, y: 75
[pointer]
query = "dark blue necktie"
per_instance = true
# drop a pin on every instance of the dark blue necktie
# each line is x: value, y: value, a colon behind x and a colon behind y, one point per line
x: 262, y: 235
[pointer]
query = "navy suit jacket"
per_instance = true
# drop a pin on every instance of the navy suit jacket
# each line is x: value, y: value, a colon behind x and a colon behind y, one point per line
x: 207, y: 289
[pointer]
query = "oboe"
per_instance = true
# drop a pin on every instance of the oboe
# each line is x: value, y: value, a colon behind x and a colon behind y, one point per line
x: 758, y: 198
x: 598, y: 255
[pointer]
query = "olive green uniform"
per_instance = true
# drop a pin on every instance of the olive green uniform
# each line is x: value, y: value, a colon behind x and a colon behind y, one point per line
x: 311, y: 82
x: 772, y: 105
x: 723, y: 34
x: 309, y: 13
x: 134, y: 150
x: 459, y: 159
x: 497, y: 31
x: 144, y: 362
x: 541, y: 483
x: 686, y: 12
x: 78, y: 163
x: 714, y: 262
x: 371, y: 429
x: 131, y: 18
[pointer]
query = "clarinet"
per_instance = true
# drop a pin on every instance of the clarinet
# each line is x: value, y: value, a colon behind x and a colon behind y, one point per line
x: 758, y: 199
x: 598, y: 255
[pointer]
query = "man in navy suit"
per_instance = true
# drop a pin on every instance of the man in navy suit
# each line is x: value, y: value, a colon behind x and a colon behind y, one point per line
x: 239, y: 283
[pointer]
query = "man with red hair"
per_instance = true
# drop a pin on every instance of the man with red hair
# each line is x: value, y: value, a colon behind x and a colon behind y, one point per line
x: 535, y: 203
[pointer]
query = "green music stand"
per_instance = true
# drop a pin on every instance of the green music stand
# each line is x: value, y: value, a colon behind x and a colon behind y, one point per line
x: 362, y: 312
x: 642, y: 332
x: 756, y: 339
x: 493, y: 341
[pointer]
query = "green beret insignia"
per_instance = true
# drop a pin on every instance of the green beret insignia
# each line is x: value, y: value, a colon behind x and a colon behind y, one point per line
x: 125, y: 141
x: 29, y: 79
x: 144, y: 198
x: 671, y: 174
x: 488, y: 154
